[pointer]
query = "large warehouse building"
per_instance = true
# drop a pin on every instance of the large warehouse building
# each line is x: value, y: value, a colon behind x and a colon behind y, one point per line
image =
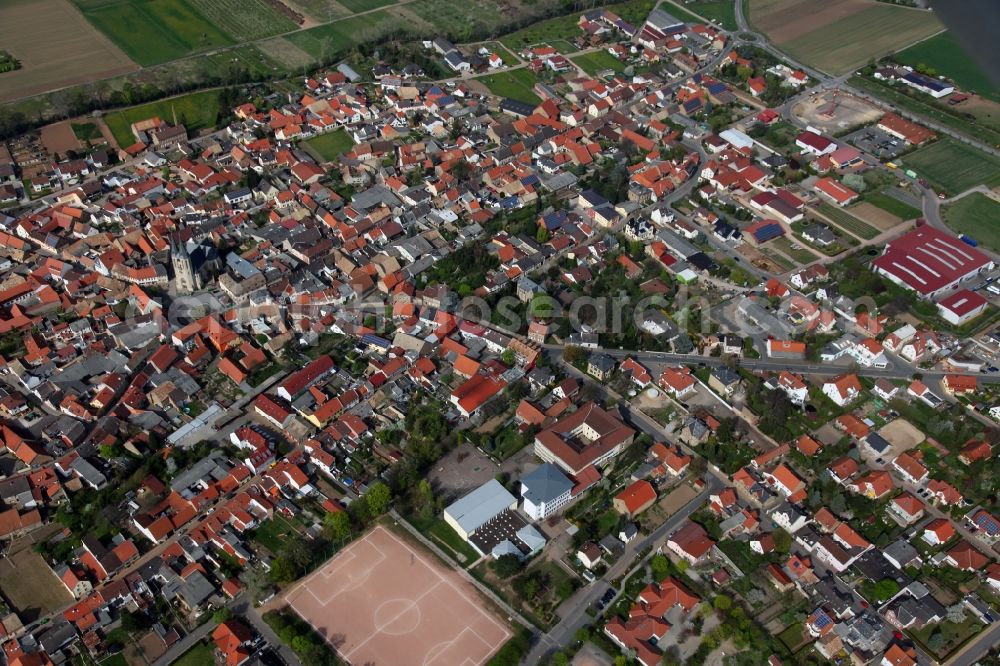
x: 930, y: 262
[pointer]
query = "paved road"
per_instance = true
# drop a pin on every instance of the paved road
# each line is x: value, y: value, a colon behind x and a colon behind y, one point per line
x: 576, y: 616
x: 253, y: 616
x: 899, y: 369
x: 977, y: 649
x: 573, y: 611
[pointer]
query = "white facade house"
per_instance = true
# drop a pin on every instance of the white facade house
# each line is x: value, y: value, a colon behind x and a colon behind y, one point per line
x: 545, y: 490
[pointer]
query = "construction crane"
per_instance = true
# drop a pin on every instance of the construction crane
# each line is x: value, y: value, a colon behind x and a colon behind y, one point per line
x: 830, y: 108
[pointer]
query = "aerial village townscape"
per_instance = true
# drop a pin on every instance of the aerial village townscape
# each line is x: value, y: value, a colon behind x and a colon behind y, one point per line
x: 522, y: 333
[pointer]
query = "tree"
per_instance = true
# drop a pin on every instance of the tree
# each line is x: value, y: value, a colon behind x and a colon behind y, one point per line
x: 338, y: 526
x: 573, y: 354
x: 222, y: 614
x: 855, y: 182
x: 660, y: 565
x: 283, y: 570
x: 782, y: 540
x: 542, y: 235
x: 506, y: 566
x: 508, y: 357
x: 378, y: 497
x: 722, y: 602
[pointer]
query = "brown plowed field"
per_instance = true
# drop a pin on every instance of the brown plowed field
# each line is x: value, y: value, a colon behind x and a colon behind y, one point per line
x: 56, y: 46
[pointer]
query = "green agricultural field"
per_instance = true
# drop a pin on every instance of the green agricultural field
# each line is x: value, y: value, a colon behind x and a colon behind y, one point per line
x: 954, y: 167
x: 328, y: 147
x: 245, y: 20
x: 357, y: 6
x: 516, y: 84
x: 723, y: 12
x: 154, y: 31
x: 461, y: 21
x: 847, y: 222
x: 945, y: 54
x: 249, y: 57
x: 197, y: 111
x: 889, y: 204
x: 598, y: 61
x: 852, y: 41
x: 977, y: 216
x: 326, y: 41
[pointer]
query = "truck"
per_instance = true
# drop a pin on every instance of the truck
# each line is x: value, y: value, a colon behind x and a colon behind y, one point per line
x: 911, y: 173
x: 968, y: 240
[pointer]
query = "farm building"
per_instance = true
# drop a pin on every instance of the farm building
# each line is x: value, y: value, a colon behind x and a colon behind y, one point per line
x: 930, y: 261
x: 925, y: 84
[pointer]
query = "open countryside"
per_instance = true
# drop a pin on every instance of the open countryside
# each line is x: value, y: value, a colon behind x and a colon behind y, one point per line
x: 56, y: 48
x: 954, y: 167
x: 977, y: 215
x: 840, y: 35
x: 945, y: 55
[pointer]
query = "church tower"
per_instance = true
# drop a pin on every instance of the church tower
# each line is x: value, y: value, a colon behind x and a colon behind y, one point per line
x: 184, y: 278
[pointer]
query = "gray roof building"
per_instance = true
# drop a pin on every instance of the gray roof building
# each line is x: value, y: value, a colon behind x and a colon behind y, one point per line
x: 544, y: 484
x: 479, y: 507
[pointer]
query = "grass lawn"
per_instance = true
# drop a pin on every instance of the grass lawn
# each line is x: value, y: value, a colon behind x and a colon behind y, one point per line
x: 447, y: 540
x: 115, y: 660
x: 86, y: 131
x: 978, y: 216
x: 330, y: 146
x: 890, y: 204
x: 801, y: 255
x: 847, y: 222
x: 199, y: 655
x: 722, y: 12
x: 515, y: 84
x: 945, y: 54
x: 598, y: 61
x: 272, y: 533
x: 792, y: 636
x: 151, y: 32
x: 197, y: 111
x: 783, y: 263
x: 954, y: 167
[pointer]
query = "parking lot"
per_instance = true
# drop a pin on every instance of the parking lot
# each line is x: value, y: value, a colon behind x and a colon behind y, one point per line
x: 881, y: 144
